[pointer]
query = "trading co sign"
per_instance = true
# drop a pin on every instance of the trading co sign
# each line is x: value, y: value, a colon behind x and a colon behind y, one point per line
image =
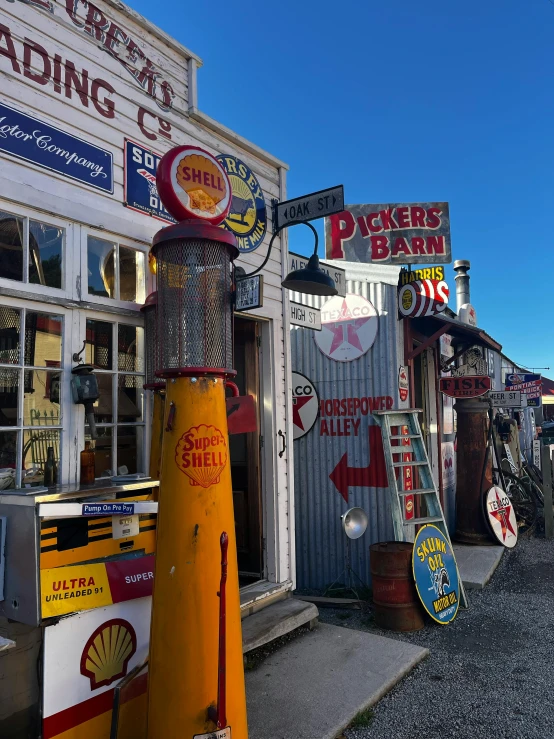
x: 471, y: 386
x: 436, y: 574
x: 305, y: 405
x: 422, y: 298
x: 403, y: 233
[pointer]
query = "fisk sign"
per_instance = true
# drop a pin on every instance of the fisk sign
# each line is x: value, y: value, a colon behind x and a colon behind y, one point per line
x: 465, y: 387
x: 403, y: 233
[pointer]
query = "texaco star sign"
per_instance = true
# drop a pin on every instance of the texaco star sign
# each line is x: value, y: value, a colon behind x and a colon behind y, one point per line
x: 349, y: 327
x: 502, y: 517
x: 305, y: 405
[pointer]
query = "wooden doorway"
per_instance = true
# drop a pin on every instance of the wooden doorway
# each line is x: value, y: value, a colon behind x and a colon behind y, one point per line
x: 245, y: 458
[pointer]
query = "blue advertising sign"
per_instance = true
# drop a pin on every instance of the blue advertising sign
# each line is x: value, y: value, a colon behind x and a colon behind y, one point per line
x: 436, y: 574
x: 34, y: 141
x: 108, y: 509
x: 140, y: 191
x: 529, y: 385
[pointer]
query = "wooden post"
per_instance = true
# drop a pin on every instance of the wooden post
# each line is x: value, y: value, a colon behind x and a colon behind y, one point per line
x: 547, y: 490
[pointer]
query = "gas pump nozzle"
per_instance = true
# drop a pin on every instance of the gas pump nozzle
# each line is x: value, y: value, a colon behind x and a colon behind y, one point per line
x: 84, y: 387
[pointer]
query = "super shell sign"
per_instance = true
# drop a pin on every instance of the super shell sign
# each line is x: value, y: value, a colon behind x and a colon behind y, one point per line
x: 436, y: 574
x: 422, y: 298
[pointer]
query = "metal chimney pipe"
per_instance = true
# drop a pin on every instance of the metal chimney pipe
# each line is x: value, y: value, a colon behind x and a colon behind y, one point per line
x: 461, y: 267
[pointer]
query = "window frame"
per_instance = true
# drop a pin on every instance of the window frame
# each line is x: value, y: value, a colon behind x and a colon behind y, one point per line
x: 139, y: 246
x: 70, y: 266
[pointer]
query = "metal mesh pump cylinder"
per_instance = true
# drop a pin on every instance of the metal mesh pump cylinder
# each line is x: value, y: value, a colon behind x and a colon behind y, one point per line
x: 194, y: 314
x: 152, y: 345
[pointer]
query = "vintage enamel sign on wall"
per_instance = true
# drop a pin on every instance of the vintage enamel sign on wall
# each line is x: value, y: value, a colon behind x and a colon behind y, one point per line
x: 349, y: 327
x: 193, y: 184
x: 501, y: 516
x: 471, y: 386
x: 402, y: 233
x: 403, y: 385
x: 422, y: 298
x: 436, y: 574
x: 247, y: 217
x: 305, y: 405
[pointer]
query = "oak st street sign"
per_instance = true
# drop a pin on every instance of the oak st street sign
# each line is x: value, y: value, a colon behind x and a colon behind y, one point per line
x: 309, y: 207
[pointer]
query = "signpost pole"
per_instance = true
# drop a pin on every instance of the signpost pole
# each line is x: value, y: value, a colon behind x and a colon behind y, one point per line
x: 547, y: 491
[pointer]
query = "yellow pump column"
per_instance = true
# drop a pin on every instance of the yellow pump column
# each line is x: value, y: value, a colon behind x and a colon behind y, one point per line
x: 196, y: 674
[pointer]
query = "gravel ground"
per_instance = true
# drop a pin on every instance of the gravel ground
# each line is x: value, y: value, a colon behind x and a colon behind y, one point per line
x: 490, y: 673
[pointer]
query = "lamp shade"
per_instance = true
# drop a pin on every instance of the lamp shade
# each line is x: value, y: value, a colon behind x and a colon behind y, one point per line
x: 310, y: 280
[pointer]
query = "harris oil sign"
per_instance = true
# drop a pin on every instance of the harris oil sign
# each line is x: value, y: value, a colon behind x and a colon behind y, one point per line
x: 247, y: 217
x: 400, y: 233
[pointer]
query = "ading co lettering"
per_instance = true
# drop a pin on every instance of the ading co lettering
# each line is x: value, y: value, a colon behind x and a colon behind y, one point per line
x: 44, y: 142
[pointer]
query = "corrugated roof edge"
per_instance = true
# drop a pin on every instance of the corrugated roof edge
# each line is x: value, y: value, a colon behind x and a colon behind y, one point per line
x: 153, y: 29
x: 385, y: 273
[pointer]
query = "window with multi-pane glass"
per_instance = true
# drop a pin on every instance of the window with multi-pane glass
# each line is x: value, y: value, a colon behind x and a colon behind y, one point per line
x: 115, y: 271
x: 116, y: 351
x: 30, y: 401
x: 31, y: 251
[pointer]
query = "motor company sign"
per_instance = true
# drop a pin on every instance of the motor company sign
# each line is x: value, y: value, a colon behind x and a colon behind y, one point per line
x: 465, y: 387
x: 402, y: 233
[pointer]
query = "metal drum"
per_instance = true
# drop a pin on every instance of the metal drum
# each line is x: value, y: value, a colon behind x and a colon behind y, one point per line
x: 396, y: 605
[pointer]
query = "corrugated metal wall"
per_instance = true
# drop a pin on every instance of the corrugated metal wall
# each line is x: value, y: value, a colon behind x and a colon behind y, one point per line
x: 320, y: 540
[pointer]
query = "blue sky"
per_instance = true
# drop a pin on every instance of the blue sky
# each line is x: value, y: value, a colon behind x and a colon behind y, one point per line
x: 404, y: 101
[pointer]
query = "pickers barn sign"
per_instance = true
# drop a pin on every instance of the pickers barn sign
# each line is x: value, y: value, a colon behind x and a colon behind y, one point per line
x: 402, y: 233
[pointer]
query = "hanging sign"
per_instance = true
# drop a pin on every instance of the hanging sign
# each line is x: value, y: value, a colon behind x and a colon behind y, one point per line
x: 349, y: 327
x: 530, y: 386
x: 436, y: 574
x: 473, y: 363
x: 422, y: 298
x: 193, y: 184
x: 425, y: 273
x: 506, y: 399
x: 249, y: 293
x: 247, y: 217
x: 140, y: 192
x: 465, y: 387
x: 305, y: 405
x: 242, y: 416
x: 304, y: 316
x: 501, y: 516
x: 403, y: 383
x: 31, y: 139
x: 402, y: 233
x: 309, y: 207
x: 296, y: 261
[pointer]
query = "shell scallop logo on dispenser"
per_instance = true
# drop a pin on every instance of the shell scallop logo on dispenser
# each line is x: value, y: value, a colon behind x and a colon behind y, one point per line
x: 192, y: 184
x: 107, y: 652
x: 201, y: 453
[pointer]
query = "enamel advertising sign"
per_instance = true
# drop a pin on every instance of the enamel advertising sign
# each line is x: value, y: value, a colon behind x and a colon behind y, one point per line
x: 401, y: 233
x: 305, y: 405
x: 140, y: 189
x: 471, y: 386
x: 501, y: 517
x: 436, y: 574
x: 349, y: 327
x: 529, y: 385
x: 422, y: 298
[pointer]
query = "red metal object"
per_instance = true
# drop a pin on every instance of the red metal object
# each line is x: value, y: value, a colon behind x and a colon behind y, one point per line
x: 396, y: 605
x: 221, y: 720
x: 197, y: 372
x: 242, y: 417
x: 234, y: 388
x: 470, y: 386
x: 195, y: 230
x: 170, y: 417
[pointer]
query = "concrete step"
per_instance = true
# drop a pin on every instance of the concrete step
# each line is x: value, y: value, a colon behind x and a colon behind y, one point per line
x: 477, y: 564
x: 276, y: 620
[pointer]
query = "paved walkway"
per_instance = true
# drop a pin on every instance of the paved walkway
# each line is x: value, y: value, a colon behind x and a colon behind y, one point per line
x: 490, y: 673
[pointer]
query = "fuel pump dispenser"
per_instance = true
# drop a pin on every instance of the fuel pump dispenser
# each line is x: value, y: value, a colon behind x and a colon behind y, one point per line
x: 196, y: 673
x: 154, y: 384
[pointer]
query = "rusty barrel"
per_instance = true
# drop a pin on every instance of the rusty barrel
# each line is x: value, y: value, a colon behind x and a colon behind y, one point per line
x: 396, y: 605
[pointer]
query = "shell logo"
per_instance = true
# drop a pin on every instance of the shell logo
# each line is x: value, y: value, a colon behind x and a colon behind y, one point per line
x: 409, y: 506
x: 107, y: 652
x: 201, y: 453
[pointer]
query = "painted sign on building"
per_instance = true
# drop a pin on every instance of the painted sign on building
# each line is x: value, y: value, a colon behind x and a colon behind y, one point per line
x: 465, y: 387
x: 349, y: 327
x: 530, y: 385
x: 26, y: 137
x: 140, y: 191
x: 247, y: 217
x: 403, y: 385
x: 401, y: 233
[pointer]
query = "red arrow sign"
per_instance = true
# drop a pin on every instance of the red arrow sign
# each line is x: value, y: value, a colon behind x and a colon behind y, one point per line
x: 372, y: 476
